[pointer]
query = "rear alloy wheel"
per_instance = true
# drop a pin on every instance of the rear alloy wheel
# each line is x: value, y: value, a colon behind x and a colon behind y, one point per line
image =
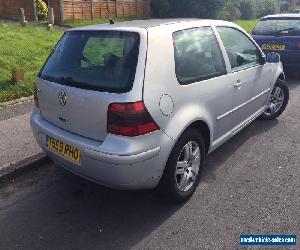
x: 278, y: 101
x: 187, y: 166
x: 183, y: 170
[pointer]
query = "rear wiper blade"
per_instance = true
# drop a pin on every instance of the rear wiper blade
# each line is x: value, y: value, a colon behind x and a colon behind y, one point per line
x: 67, y: 80
x: 283, y: 30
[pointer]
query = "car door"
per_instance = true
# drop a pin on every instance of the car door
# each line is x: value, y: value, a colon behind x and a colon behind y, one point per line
x: 250, y: 76
x: 202, y: 73
x: 192, y: 74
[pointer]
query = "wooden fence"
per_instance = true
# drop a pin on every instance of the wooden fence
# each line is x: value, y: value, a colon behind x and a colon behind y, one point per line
x: 77, y: 9
x: 96, y: 9
x: 11, y: 8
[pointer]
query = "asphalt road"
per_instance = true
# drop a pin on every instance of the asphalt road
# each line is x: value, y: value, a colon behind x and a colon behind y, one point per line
x: 16, y: 110
x: 251, y: 185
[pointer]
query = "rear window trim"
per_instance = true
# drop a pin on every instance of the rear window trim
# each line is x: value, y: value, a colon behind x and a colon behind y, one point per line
x: 86, y: 86
x: 279, y: 18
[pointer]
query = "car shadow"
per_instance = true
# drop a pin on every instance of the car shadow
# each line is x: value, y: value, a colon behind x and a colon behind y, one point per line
x: 218, y: 157
x: 224, y: 152
x: 50, y: 208
x: 293, y: 80
x: 61, y: 209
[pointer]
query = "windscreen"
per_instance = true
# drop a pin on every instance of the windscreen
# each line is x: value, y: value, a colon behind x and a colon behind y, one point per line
x: 278, y: 27
x: 96, y: 60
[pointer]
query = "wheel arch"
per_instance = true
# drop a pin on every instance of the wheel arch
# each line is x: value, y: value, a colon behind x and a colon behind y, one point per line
x: 204, y: 129
x: 205, y: 132
x: 281, y: 76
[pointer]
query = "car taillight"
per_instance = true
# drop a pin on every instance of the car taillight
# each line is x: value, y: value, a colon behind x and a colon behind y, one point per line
x: 36, y: 100
x: 298, y: 45
x: 129, y: 119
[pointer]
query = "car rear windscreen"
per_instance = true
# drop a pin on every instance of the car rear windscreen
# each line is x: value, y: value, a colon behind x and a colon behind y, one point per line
x: 95, y: 60
x: 278, y: 27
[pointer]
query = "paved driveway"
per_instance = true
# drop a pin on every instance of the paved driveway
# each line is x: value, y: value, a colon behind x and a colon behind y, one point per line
x: 250, y: 185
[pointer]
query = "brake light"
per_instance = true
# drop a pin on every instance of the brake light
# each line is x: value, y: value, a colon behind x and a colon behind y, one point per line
x: 129, y: 119
x: 36, y: 100
x: 298, y: 45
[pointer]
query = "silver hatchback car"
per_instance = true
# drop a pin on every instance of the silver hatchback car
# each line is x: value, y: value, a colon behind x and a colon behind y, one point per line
x: 139, y: 105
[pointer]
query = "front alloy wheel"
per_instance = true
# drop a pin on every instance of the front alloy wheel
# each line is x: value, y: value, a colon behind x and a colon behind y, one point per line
x: 278, y: 101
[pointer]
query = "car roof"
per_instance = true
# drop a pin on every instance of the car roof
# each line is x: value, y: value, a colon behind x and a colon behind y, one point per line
x: 147, y: 23
x: 281, y: 16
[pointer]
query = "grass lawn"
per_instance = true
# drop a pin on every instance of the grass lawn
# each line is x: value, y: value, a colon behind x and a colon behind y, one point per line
x: 247, y: 25
x: 26, y: 48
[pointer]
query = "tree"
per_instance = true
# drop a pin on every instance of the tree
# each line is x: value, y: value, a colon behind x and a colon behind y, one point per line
x: 230, y: 11
x: 266, y: 7
x: 186, y: 8
x: 248, y: 10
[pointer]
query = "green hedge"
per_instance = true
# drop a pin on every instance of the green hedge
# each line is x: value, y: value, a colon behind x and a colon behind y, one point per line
x: 251, y: 9
x: 266, y: 7
x: 186, y: 8
x: 248, y: 9
x: 223, y: 9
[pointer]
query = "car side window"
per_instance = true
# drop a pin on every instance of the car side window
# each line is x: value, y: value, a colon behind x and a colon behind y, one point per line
x: 241, y: 50
x: 197, y: 55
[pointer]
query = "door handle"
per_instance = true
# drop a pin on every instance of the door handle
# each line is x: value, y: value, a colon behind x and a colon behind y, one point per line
x: 238, y: 84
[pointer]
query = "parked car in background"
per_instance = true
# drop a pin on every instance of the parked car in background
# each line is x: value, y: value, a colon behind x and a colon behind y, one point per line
x: 295, y: 11
x: 139, y: 105
x: 280, y: 34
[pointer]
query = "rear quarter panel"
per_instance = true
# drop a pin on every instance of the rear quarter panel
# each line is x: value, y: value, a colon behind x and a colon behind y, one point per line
x: 160, y: 80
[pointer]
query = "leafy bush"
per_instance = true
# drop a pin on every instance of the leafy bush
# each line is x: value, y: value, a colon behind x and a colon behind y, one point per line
x: 187, y: 8
x: 248, y: 9
x: 42, y: 9
x: 223, y: 9
x: 160, y: 8
x: 231, y: 11
x: 251, y: 9
x: 266, y: 7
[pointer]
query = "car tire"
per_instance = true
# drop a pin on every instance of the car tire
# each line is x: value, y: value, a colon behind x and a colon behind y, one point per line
x: 280, y: 96
x: 182, y: 173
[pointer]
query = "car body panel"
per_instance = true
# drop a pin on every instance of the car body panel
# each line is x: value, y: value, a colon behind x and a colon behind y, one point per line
x: 138, y: 162
x: 164, y: 82
x: 253, y: 91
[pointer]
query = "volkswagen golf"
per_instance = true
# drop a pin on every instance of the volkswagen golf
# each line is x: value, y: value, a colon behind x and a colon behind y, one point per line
x: 139, y: 105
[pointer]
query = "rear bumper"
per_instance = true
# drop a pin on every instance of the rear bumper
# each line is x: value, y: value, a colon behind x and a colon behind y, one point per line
x: 118, y: 162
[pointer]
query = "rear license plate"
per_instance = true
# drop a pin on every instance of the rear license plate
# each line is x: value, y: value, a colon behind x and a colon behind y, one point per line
x: 69, y: 152
x: 273, y: 47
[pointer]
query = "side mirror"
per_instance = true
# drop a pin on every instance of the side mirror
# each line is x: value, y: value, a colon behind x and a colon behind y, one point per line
x: 273, y: 57
x: 262, y: 59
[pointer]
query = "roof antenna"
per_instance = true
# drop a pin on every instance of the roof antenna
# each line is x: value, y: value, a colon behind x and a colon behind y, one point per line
x: 111, y: 21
